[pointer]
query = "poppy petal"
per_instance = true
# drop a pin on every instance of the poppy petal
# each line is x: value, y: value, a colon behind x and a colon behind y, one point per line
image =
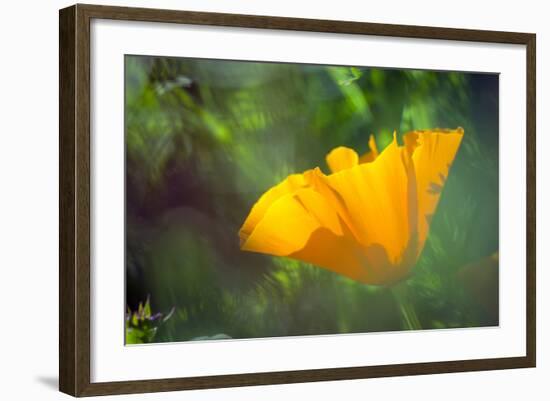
x: 376, y: 195
x: 372, y: 154
x: 319, y: 182
x: 320, y: 209
x: 287, y: 186
x: 285, y: 228
x: 343, y: 255
x: 289, y: 222
x: 432, y: 158
x: 342, y: 158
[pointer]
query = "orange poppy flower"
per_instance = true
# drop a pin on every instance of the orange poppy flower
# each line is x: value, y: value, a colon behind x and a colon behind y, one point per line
x: 368, y: 219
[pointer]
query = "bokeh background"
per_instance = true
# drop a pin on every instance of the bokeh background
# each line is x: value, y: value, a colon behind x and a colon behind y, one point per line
x: 205, y: 138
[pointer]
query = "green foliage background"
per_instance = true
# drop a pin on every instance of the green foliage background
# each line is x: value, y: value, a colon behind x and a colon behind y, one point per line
x: 205, y: 138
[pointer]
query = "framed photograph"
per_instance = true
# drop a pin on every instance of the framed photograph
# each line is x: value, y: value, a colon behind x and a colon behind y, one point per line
x: 251, y: 200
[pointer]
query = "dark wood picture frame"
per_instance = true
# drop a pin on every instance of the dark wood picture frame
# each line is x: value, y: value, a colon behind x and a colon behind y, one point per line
x: 74, y: 199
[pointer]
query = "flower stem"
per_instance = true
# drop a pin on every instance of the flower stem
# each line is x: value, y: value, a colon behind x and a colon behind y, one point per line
x: 408, y: 312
